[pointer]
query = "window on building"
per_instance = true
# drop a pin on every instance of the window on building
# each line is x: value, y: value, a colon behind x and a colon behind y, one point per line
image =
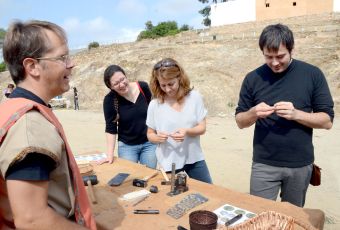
x: 267, y: 4
x: 294, y: 3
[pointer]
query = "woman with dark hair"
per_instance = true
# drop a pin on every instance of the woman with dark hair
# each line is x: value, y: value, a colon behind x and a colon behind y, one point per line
x: 125, y: 110
x: 176, y: 120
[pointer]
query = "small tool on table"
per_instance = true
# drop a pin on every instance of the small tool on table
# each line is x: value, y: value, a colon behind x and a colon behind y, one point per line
x: 143, y: 182
x: 89, y: 181
x: 166, y: 180
x: 146, y: 211
x: 233, y: 220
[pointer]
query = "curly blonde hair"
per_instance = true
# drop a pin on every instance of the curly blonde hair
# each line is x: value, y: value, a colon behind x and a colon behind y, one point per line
x: 167, y: 69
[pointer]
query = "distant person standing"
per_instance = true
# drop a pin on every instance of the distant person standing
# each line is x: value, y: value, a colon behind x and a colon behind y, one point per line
x: 286, y: 99
x: 75, y: 98
x: 9, y: 90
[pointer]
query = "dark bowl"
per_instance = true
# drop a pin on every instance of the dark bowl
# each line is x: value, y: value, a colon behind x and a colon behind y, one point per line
x: 202, y: 220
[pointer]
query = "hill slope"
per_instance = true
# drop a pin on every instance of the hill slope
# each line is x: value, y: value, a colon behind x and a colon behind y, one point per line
x: 216, y: 59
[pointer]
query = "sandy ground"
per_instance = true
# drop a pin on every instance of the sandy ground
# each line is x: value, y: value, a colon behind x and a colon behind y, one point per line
x: 228, y: 152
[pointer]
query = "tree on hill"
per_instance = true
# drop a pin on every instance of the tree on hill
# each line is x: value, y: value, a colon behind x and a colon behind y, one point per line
x: 2, y: 36
x: 2, y: 66
x: 161, y: 30
x: 93, y: 45
x: 2, y: 33
x: 206, y: 11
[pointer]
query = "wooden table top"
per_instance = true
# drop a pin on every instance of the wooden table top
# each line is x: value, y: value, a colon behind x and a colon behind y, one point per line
x: 112, y: 213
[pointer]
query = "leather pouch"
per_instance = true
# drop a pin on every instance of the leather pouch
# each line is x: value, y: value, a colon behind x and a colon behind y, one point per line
x: 315, y: 179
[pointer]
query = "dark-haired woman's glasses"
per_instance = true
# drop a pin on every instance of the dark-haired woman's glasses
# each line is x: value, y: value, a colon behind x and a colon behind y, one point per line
x: 164, y: 64
x: 116, y: 83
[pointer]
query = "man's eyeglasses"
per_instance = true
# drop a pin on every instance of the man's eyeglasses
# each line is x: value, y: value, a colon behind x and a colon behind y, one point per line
x: 64, y: 58
x: 164, y: 64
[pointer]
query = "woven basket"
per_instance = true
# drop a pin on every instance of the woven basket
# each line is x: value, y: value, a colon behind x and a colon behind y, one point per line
x: 271, y: 221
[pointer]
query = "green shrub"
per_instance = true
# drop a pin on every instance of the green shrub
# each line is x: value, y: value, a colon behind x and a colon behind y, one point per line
x: 184, y: 27
x: 2, y: 66
x: 2, y: 33
x: 93, y: 45
x: 163, y: 29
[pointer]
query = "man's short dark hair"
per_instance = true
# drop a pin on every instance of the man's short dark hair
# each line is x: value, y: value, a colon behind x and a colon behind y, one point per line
x: 274, y: 35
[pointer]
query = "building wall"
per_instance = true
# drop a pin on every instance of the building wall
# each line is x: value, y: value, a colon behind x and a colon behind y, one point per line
x: 232, y: 11
x: 336, y: 5
x: 270, y: 9
x: 237, y: 11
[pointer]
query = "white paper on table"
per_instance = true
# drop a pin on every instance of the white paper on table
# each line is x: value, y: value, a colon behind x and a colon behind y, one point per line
x: 227, y: 212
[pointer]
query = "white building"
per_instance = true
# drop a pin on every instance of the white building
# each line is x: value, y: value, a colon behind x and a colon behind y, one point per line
x: 237, y: 11
x: 232, y: 11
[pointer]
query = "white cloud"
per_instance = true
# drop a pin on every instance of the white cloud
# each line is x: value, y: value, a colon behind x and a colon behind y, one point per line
x: 133, y: 7
x: 181, y: 11
x: 81, y: 33
x: 176, y: 7
x: 71, y: 24
x: 196, y: 22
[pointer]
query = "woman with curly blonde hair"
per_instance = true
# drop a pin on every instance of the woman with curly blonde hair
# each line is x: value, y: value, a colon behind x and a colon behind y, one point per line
x: 176, y: 119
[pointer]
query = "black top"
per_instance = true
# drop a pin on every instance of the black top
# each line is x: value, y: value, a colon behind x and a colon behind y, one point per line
x: 131, y: 126
x: 35, y: 166
x: 277, y: 141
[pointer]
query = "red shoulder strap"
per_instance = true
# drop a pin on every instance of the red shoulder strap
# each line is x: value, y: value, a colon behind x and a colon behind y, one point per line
x: 141, y: 90
x: 10, y: 111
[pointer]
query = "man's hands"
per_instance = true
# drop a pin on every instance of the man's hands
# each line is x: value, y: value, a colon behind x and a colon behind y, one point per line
x: 285, y: 109
x: 282, y: 109
x: 263, y: 110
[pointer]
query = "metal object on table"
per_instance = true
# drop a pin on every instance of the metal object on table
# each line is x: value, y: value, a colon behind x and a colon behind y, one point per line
x: 173, y: 175
x: 146, y: 211
x: 188, y: 202
x: 181, y: 183
x: 233, y: 220
x: 178, y: 182
x: 143, y: 182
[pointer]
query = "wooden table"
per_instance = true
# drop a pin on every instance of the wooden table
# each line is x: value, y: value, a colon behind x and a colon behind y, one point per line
x: 112, y: 213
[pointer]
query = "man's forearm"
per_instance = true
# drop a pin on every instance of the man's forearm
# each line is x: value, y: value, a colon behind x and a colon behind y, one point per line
x: 245, y: 119
x: 319, y: 120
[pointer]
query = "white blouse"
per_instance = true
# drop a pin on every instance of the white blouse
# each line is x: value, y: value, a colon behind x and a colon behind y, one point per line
x: 163, y: 118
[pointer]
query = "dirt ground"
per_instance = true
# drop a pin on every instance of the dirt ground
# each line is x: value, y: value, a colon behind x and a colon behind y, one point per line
x: 228, y: 152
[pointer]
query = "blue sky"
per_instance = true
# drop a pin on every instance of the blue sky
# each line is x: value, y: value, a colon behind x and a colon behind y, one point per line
x: 104, y: 21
